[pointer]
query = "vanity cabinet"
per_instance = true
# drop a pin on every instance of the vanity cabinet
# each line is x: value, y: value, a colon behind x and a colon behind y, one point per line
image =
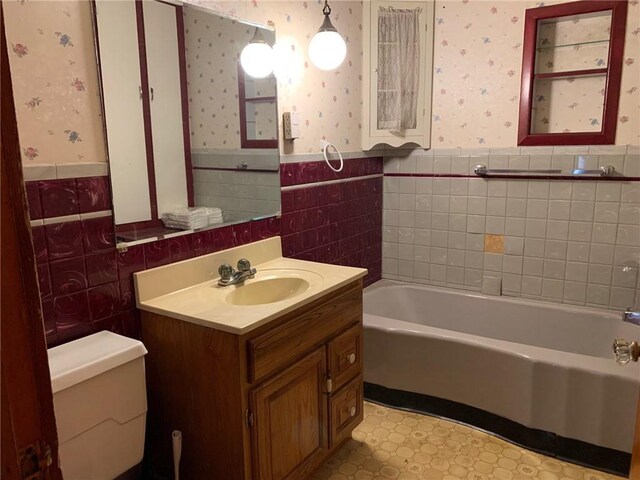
x: 397, y: 72
x: 273, y: 403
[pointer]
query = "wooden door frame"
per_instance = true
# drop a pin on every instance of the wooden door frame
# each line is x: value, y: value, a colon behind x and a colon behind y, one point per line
x: 29, y: 436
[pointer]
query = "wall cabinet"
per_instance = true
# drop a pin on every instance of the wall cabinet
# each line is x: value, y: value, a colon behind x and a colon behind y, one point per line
x: 397, y: 73
x: 270, y: 404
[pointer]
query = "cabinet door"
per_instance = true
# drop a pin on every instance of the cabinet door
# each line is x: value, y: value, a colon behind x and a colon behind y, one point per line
x: 375, y: 92
x: 289, y: 435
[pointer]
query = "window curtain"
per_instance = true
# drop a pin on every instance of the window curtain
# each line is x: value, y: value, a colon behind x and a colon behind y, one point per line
x: 398, y: 68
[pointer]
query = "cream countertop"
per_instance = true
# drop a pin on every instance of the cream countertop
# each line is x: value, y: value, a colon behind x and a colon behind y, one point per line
x: 189, y: 290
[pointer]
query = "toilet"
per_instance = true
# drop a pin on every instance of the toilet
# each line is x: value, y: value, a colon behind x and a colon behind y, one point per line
x: 100, y: 403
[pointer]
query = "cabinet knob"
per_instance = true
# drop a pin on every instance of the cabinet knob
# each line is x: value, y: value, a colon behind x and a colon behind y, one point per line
x: 352, y: 358
x: 352, y: 412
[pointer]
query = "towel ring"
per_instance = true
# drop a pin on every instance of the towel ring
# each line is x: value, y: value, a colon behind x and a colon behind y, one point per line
x: 325, y: 147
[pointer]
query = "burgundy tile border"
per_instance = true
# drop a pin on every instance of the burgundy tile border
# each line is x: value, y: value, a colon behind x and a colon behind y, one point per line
x: 516, y: 177
x: 311, y: 172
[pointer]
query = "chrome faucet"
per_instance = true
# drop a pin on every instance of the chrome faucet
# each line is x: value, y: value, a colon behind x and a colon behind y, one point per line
x: 632, y: 316
x: 231, y: 276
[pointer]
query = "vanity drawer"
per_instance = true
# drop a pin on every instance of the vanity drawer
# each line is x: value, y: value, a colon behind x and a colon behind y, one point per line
x: 345, y: 356
x: 274, y: 347
x: 345, y: 411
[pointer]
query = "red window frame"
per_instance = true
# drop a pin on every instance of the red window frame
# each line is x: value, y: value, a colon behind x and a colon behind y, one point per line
x: 607, y: 133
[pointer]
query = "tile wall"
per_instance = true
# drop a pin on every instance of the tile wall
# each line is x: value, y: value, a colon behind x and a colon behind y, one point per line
x: 567, y: 241
x: 86, y: 284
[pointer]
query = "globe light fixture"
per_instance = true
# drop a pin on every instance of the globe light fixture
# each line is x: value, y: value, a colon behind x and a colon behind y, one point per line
x: 327, y: 48
x: 257, y: 57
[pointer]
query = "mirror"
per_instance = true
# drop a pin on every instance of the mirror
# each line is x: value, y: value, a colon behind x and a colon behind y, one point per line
x: 185, y: 125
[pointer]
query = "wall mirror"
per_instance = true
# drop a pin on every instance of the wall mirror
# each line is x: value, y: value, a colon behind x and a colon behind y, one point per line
x: 571, y: 73
x: 185, y: 127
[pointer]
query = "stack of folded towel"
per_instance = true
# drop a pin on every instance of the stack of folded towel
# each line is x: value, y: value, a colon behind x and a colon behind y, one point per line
x: 192, y: 218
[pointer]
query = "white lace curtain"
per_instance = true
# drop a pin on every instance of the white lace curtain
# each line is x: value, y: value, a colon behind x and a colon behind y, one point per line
x: 398, y: 68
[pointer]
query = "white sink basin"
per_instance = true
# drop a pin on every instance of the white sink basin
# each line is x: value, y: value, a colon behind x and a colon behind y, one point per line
x: 269, y: 290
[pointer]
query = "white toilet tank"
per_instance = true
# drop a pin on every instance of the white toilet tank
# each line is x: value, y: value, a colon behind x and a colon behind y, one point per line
x: 100, y: 402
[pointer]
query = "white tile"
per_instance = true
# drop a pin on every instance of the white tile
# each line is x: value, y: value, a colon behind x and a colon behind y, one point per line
x: 514, y: 226
x: 475, y: 224
x: 496, y: 206
x: 389, y: 266
x: 475, y: 242
x: 406, y: 185
x: 473, y: 277
x: 391, y: 165
x: 578, y: 251
x: 491, y: 285
x: 607, y: 149
x: 495, y: 225
x: 582, y: 211
x: 389, y: 250
x: 536, y: 150
x: 608, y: 191
x: 534, y: 247
x: 532, y: 285
x: 517, y: 188
x: 584, y: 191
x: 577, y: 271
x: 424, y: 164
x: 539, y: 189
x: 477, y: 206
x: 604, y: 233
x: 406, y: 201
x: 422, y: 236
x: 554, y: 269
x: 532, y: 266
x: 559, y: 209
x: 622, y: 297
x: 560, y: 190
x: 600, y: 274
x: 474, y: 260
x: 423, y: 203
x: 575, y: 291
x: 572, y: 150
x: 391, y: 184
x: 459, y: 186
x: 630, y: 192
x: 497, y: 188
x: 390, y: 201
x: 537, y: 208
x: 536, y: 228
x: 405, y: 235
x: 478, y: 187
x: 631, y: 166
x: 541, y: 161
x: 437, y: 273
x: 633, y: 149
x: 493, y: 262
x: 407, y: 165
x: 441, y: 164
x: 505, y: 151
x: 630, y: 213
x: 389, y: 233
x: 555, y: 249
x: 580, y: 231
x: 552, y: 289
x: 628, y: 235
x: 405, y: 268
x: 519, y: 162
x: 440, y: 221
x: 558, y: 229
x: 598, y: 294
x: 602, y: 253
x: 460, y: 164
x: 448, y: 152
x: 515, y: 207
x: 439, y: 238
x: 39, y: 172
x: 607, y: 212
x: 438, y: 255
x: 456, y: 240
x: 421, y: 253
x: 390, y: 217
x: 563, y: 162
x: 440, y: 203
x: 455, y: 258
x: 424, y: 185
x: 511, y: 284
x: 514, y: 245
x: 441, y: 186
x: 625, y: 255
x: 405, y: 218
x: 421, y: 270
x: 422, y: 220
x: 499, y: 161
x: 512, y: 264
x: 405, y: 252
x: 625, y: 276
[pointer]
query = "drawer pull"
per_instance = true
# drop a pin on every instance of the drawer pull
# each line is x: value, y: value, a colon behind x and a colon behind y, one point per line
x: 352, y: 358
x: 352, y: 412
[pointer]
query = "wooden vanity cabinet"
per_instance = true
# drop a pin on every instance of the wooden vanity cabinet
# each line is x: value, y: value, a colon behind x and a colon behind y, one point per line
x: 270, y: 404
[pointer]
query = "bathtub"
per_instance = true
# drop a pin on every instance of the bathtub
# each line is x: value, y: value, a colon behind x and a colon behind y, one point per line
x: 547, y: 367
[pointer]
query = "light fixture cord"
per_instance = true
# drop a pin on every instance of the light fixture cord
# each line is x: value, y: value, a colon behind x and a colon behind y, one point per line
x: 326, y: 9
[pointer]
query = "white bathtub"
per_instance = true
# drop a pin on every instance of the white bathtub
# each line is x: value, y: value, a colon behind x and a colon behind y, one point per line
x: 542, y: 365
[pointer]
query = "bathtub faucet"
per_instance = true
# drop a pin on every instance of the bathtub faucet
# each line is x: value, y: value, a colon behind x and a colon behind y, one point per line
x: 631, y: 316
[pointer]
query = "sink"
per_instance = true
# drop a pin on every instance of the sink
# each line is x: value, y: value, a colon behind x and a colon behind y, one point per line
x: 269, y: 290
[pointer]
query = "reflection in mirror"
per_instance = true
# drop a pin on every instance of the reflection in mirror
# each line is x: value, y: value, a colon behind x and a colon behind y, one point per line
x: 192, y: 139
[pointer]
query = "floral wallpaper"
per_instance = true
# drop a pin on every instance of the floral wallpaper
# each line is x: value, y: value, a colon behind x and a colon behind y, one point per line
x: 55, y: 81
x: 477, y: 65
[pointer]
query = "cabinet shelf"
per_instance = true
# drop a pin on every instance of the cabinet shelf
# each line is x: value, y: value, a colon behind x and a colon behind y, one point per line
x: 577, y: 44
x: 572, y: 73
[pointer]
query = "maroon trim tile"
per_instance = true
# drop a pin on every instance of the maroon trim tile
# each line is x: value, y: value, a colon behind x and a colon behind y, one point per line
x: 49, y: 318
x: 33, y: 199
x: 104, y: 301
x: 68, y: 275
x: 110, y: 324
x: 102, y: 268
x: 58, y: 197
x: 93, y: 194
x: 130, y: 261
x: 71, y: 310
x: 39, y: 244
x: 127, y: 295
x: 98, y: 234
x: 289, y: 243
x: 287, y: 201
x: 265, y: 228
x: 44, y: 280
x: 64, y: 240
x: 131, y: 324
x: 223, y: 238
x: 157, y: 253
x: 288, y: 174
x: 203, y: 243
x: 241, y: 233
x: 74, y: 332
x: 306, y: 172
x: 180, y: 248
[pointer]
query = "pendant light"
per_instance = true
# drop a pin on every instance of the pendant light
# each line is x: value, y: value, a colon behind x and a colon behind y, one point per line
x: 257, y: 57
x: 327, y: 48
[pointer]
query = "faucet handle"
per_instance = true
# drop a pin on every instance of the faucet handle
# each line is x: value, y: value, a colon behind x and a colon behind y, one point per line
x: 226, y: 271
x: 244, y: 265
x: 625, y: 351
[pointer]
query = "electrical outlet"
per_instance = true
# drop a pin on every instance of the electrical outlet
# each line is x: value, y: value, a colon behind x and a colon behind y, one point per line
x: 290, y: 125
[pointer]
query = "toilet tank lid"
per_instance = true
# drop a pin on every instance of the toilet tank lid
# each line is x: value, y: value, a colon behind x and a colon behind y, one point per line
x: 87, y: 357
